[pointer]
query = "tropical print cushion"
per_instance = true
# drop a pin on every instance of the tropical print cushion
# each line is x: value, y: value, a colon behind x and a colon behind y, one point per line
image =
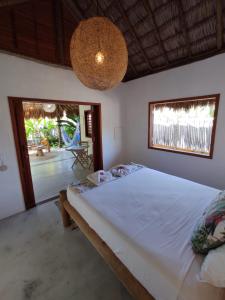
x: 210, y: 230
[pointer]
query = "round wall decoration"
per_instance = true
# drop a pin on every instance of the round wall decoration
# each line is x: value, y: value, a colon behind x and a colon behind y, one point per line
x: 98, y: 53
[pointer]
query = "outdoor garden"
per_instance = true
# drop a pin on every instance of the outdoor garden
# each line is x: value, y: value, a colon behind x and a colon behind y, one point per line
x: 52, y: 132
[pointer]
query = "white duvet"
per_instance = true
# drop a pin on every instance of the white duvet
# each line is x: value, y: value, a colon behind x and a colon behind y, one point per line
x: 156, y: 214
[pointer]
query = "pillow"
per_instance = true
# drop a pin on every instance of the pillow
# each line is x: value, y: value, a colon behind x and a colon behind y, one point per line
x: 124, y: 169
x: 100, y: 177
x: 213, y: 267
x: 210, y: 230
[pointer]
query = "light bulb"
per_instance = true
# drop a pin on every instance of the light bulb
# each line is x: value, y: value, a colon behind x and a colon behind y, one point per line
x: 99, y: 58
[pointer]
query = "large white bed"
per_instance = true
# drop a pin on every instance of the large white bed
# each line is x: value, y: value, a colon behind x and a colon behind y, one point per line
x: 147, y: 219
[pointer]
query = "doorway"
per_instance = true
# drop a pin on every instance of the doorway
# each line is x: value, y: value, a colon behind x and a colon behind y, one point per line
x: 57, y: 143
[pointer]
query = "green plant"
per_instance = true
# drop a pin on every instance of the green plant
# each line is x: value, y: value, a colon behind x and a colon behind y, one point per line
x: 42, y: 128
x: 53, y: 141
x: 32, y: 127
x: 48, y: 128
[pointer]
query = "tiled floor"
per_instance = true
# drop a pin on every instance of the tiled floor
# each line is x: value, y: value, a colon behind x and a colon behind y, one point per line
x: 52, y: 173
x: 40, y: 260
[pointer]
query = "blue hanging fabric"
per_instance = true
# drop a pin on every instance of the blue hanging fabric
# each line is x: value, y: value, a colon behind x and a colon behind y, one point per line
x: 75, y: 139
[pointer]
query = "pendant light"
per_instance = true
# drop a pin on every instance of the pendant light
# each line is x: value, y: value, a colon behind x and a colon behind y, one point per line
x: 49, y: 107
x: 98, y: 53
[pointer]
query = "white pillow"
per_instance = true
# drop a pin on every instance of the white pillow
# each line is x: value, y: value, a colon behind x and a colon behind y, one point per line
x: 213, y: 267
x: 100, y: 177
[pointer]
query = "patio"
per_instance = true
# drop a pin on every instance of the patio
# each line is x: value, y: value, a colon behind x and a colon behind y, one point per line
x: 53, y: 172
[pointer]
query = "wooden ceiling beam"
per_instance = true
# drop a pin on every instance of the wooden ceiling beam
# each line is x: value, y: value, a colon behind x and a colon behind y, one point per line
x: 80, y: 10
x: 174, y: 18
x: 59, y: 31
x: 212, y: 35
x: 13, y: 27
x: 132, y: 7
x: 163, y: 6
x: 183, y: 24
x: 140, y: 22
x: 219, y: 24
x: 132, y: 31
x: 130, y: 63
x: 129, y: 60
x: 150, y: 12
x: 204, y: 20
x: 180, y: 62
x: 5, y: 3
x: 35, y: 27
x: 76, y: 13
x: 109, y: 7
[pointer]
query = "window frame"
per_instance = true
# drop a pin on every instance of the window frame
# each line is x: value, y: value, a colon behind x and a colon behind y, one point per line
x: 86, y: 113
x: 213, y: 134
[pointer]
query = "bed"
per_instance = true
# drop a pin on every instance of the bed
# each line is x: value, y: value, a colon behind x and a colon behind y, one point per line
x: 141, y: 224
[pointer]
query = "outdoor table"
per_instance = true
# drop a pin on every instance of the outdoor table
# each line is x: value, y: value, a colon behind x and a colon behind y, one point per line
x: 80, y: 155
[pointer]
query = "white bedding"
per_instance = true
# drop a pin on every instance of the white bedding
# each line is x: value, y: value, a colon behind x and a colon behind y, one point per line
x: 147, y: 219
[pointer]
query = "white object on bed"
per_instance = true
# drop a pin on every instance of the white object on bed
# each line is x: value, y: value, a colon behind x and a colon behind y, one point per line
x: 147, y: 219
x: 100, y: 177
x: 213, y: 267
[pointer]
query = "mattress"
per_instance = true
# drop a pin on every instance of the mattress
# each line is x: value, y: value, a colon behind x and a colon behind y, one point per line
x: 147, y: 218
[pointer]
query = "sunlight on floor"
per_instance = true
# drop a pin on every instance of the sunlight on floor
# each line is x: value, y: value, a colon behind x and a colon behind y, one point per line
x: 53, y: 172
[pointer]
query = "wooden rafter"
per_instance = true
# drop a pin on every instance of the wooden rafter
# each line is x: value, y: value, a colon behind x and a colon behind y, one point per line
x: 59, y: 32
x: 76, y: 13
x: 180, y: 62
x: 138, y: 42
x: 174, y: 18
x: 199, y: 23
x: 129, y: 61
x: 109, y: 7
x: 179, y: 48
x: 35, y: 27
x: 219, y: 24
x: 5, y: 3
x: 150, y: 12
x: 81, y: 12
x: 183, y: 24
x: 13, y: 26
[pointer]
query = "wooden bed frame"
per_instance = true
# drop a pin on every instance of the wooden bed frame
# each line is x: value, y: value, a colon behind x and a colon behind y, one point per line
x: 133, y: 286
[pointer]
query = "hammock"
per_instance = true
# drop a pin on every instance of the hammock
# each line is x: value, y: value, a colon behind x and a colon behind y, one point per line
x: 75, y: 139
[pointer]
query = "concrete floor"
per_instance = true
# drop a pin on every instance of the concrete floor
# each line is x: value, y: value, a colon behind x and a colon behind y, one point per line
x: 52, y: 173
x: 40, y: 260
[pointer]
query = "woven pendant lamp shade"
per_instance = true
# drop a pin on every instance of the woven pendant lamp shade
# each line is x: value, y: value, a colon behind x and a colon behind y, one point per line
x: 98, y: 53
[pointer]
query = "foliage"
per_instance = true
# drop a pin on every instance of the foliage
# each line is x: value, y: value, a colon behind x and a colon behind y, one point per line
x: 37, y: 129
x: 53, y: 141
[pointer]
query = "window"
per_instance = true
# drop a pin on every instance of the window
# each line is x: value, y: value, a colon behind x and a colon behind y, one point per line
x: 88, y: 123
x: 184, y: 125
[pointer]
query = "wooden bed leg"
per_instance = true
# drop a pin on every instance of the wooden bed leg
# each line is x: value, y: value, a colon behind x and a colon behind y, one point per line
x: 64, y: 213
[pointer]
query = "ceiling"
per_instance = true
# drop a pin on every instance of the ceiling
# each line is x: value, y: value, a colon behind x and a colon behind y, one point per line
x: 160, y: 34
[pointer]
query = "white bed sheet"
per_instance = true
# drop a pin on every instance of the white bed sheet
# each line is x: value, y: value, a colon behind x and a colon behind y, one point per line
x: 147, y: 219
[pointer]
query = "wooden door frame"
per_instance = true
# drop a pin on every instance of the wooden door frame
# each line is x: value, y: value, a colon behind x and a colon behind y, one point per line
x: 18, y: 126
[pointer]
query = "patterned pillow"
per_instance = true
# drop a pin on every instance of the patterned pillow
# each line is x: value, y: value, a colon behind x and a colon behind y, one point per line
x: 210, y: 230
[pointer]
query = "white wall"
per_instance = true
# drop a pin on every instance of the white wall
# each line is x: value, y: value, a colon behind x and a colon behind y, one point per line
x: 124, y: 113
x: 24, y: 78
x: 201, y: 78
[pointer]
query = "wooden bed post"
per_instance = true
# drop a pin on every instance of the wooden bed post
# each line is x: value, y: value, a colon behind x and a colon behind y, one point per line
x: 64, y: 213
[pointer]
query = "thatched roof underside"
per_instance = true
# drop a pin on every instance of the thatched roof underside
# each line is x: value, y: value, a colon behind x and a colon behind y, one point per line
x: 160, y: 34
x: 34, y: 110
x: 187, y: 104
